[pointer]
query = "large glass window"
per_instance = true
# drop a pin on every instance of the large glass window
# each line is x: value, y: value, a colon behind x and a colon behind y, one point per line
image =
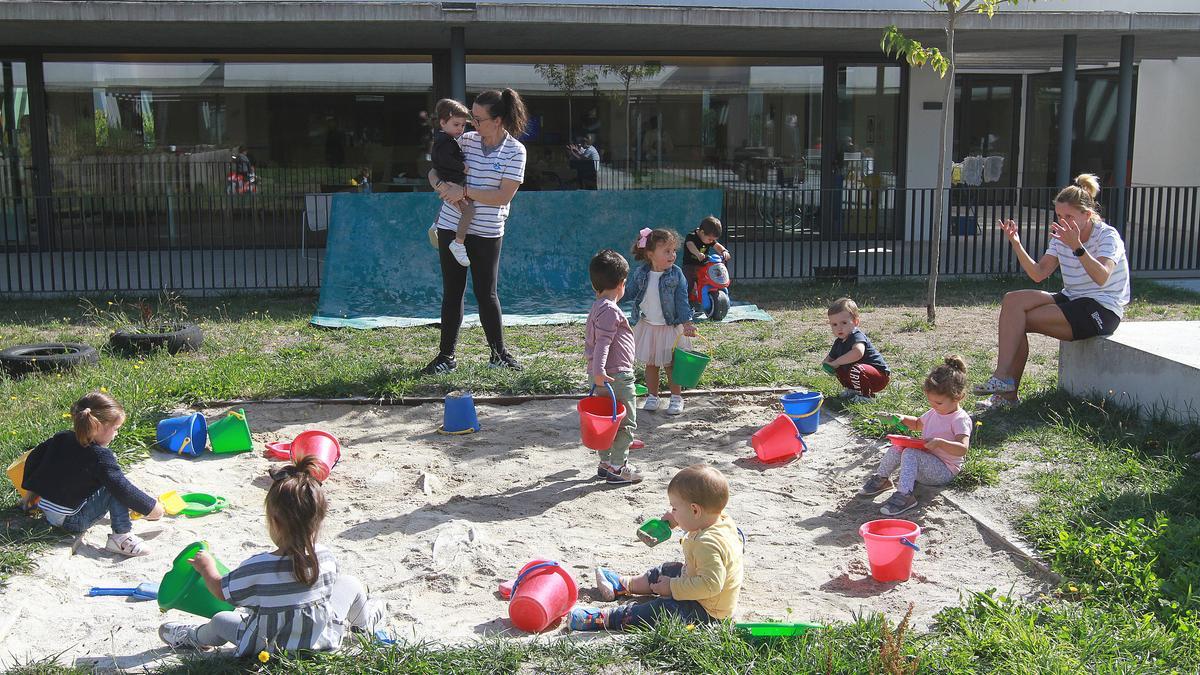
x: 303, y: 122
x: 1095, y: 126
x: 722, y: 120
x: 14, y: 130
x: 987, y: 121
x: 866, y: 149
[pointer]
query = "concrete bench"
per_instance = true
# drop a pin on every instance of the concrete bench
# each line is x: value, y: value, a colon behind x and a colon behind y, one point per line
x: 1153, y: 366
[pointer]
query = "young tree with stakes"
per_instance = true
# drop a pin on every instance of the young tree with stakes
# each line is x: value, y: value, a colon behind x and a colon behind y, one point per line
x: 894, y: 43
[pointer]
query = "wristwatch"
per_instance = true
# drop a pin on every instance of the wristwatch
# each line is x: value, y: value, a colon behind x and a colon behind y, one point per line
x: 1079, y: 252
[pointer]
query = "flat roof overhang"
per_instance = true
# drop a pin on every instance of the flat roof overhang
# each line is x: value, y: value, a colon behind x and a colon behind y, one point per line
x: 1011, y: 39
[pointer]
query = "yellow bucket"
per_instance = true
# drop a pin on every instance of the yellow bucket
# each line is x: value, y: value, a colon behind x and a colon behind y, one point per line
x: 16, y: 474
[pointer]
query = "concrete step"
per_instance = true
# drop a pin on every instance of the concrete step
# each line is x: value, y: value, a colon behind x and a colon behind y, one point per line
x: 1152, y: 366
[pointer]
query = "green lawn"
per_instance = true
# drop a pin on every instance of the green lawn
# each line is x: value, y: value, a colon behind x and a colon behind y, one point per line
x: 1117, y: 515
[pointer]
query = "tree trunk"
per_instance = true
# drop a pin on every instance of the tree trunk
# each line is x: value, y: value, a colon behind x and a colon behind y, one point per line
x: 941, y: 197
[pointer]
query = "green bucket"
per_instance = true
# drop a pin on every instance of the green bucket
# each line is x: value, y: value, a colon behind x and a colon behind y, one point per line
x: 182, y: 588
x: 688, y: 366
x: 230, y: 434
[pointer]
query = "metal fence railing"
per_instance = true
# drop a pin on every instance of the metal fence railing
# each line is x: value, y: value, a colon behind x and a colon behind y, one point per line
x: 208, y: 237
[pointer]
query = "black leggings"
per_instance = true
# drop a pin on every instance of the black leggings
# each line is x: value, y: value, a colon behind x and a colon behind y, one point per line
x: 484, y: 253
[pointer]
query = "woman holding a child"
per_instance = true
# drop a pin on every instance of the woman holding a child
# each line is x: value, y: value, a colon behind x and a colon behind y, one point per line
x: 495, y: 162
x: 1091, y: 256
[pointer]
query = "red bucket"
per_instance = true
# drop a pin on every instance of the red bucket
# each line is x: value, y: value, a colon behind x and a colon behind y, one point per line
x: 599, y: 419
x: 320, y: 444
x: 778, y: 441
x: 543, y: 593
x: 890, y: 546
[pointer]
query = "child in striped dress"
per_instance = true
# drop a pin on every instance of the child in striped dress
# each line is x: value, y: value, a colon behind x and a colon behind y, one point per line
x: 291, y: 598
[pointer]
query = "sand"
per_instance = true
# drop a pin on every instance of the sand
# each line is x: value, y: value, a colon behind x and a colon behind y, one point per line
x: 433, y: 523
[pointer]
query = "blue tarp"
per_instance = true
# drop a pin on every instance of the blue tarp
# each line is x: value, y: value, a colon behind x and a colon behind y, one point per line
x: 381, y: 271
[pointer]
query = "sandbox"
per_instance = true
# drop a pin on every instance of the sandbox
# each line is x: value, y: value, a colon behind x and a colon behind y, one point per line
x: 433, y: 523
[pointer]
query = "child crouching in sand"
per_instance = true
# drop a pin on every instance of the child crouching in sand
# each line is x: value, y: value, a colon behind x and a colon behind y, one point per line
x: 701, y: 589
x: 946, y: 429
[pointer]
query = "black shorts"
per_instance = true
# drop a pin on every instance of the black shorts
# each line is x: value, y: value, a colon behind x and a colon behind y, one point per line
x: 1087, y: 317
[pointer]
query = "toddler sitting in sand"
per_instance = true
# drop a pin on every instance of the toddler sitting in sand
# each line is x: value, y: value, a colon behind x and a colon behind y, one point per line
x: 946, y: 429
x: 701, y: 589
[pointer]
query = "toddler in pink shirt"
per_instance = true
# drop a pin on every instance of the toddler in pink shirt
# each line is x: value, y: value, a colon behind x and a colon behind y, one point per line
x: 946, y: 430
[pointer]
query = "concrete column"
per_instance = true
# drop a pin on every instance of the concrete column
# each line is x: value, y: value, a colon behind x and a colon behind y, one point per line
x: 1066, y: 113
x: 10, y: 131
x: 458, y: 64
x: 39, y: 142
x: 1121, y: 151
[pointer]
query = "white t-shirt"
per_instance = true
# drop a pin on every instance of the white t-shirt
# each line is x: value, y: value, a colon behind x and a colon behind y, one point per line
x: 1104, y: 242
x: 590, y: 152
x: 652, y: 311
x: 485, y: 173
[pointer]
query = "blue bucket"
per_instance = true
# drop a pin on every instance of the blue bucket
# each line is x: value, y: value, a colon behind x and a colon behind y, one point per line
x: 804, y: 407
x: 185, y: 435
x: 459, y: 416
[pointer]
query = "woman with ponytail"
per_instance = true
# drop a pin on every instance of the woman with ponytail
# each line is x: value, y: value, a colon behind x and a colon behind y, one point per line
x: 495, y: 162
x: 291, y: 598
x: 1095, y: 272
x: 75, y: 479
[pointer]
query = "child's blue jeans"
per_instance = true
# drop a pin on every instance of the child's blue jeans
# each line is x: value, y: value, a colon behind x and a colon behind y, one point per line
x: 101, y: 503
x: 650, y: 613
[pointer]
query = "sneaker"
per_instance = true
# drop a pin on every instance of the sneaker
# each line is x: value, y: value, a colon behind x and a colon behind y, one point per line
x: 651, y: 403
x: 624, y: 475
x: 874, y: 485
x: 676, y: 405
x: 604, y: 470
x: 897, y: 504
x: 444, y: 363
x: 502, y: 359
x: 587, y: 619
x: 995, y: 385
x: 996, y: 402
x: 609, y: 584
x: 460, y: 253
x: 374, y: 614
x: 849, y: 394
x: 129, y: 545
x: 179, y: 635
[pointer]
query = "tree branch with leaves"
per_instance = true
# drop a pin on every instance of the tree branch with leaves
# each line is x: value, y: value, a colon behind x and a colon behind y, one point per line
x: 569, y: 78
x: 917, y: 55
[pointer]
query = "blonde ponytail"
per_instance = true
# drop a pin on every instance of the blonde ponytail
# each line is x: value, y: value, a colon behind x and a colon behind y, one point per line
x: 1082, y: 194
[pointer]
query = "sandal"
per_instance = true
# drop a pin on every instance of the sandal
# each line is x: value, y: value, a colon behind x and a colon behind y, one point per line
x: 129, y: 545
x: 995, y: 385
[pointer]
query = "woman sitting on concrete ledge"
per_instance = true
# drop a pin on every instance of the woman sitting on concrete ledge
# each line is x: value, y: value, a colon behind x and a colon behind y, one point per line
x: 1095, y: 287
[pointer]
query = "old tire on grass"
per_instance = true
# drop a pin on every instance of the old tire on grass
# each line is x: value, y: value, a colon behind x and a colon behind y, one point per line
x: 130, y: 342
x: 47, y: 356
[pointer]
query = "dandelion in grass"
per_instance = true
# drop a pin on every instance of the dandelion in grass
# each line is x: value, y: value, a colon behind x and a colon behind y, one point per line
x: 103, y: 390
x: 263, y: 656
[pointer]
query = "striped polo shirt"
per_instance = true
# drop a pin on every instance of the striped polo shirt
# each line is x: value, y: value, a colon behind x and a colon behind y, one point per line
x: 1104, y: 242
x: 282, y: 613
x: 485, y: 171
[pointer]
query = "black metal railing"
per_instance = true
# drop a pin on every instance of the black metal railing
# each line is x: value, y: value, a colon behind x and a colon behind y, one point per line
x: 184, y: 229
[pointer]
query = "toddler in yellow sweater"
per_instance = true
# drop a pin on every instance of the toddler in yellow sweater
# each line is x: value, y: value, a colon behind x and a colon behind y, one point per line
x: 701, y: 589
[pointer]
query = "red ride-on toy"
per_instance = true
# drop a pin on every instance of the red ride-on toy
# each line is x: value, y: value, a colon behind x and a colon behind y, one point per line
x: 709, y: 290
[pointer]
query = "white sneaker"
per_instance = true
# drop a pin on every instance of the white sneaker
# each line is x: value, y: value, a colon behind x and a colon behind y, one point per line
x: 651, y: 403
x: 676, y: 405
x: 129, y: 545
x: 179, y: 635
x: 460, y: 253
x: 433, y: 237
